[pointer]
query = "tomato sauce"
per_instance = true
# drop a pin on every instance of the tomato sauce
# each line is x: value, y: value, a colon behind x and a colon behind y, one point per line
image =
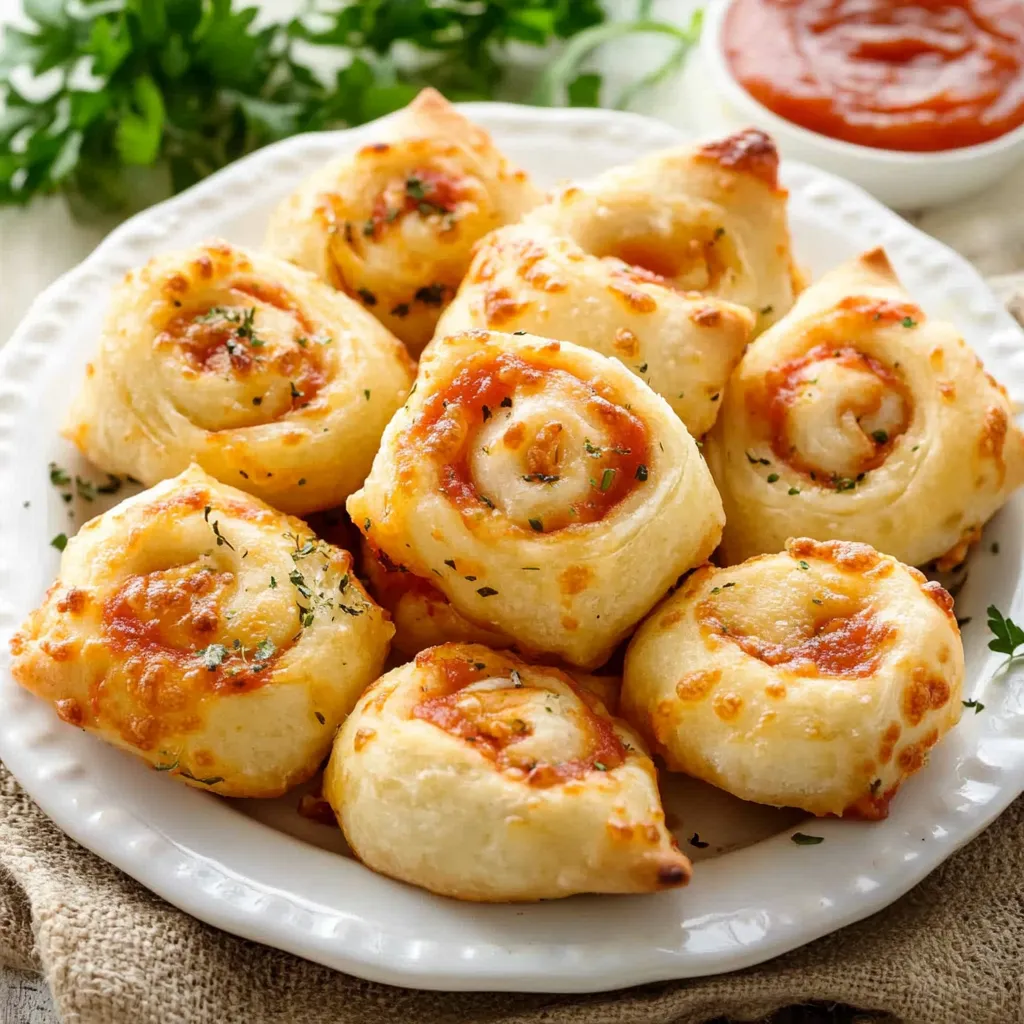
x: 911, y: 75
x: 784, y: 388
x: 487, y: 387
x: 494, y: 734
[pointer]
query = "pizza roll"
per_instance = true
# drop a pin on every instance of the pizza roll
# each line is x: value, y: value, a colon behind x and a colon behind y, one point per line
x: 394, y: 224
x: 479, y: 776
x: 246, y: 365
x: 422, y: 615
x: 818, y: 678
x: 860, y: 418
x: 684, y: 344
x: 548, y: 493
x: 709, y: 218
x: 206, y: 633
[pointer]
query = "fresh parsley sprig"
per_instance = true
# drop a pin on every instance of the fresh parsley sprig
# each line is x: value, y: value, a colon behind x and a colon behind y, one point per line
x: 116, y: 102
x: 1009, y: 637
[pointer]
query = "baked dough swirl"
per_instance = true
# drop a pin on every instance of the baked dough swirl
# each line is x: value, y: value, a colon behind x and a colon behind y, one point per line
x: 210, y: 635
x: 249, y: 367
x: 479, y: 776
x: 546, y: 491
x: 394, y: 225
x: 684, y: 344
x: 818, y: 678
x: 709, y: 218
x: 860, y: 418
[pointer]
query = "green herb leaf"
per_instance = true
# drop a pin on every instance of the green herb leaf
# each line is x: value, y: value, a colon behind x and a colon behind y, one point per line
x: 213, y: 656
x: 802, y: 839
x: 60, y: 542
x: 1008, y: 635
x: 976, y: 704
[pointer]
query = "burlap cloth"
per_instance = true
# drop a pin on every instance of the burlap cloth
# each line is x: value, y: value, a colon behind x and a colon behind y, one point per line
x: 949, y: 952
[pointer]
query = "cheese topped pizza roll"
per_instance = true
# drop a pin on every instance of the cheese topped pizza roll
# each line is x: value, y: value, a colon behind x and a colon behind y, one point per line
x: 858, y: 417
x: 246, y: 365
x: 479, y: 776
x: 818, y: 678
x: 422, y: 615
x: 394, y: 224
x: 210, y: 635
x: 684, y: 344
x: 546, y: 491
x: 709, y: 218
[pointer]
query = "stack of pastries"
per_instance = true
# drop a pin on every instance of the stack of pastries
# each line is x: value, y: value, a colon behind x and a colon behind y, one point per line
x: 609, y: 426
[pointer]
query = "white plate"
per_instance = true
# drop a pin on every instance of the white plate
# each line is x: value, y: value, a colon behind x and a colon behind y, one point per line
x: 755, y: 893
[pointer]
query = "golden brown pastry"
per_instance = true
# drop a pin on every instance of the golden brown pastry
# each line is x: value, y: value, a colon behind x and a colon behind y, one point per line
x: 684, y: 344
x: 819, y: 678
x: 709, y: 218
x: 199, y: 629
x: 548, y: 493
x: 394, y: 224
x: 423, y: 617
x: 246, y: 365
x: 858, y: 417
x: 479, y: 776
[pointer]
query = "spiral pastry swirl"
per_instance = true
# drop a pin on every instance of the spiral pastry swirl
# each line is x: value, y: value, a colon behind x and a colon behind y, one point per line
x: 479, y: 776
x: 858, y: 417
x: 818, y: 678
x: 247, y: 366
x: 684, y: 344
x: 210, y: 635
x: 548, y: 493
x: 709, y: 218
x: 394, y: 225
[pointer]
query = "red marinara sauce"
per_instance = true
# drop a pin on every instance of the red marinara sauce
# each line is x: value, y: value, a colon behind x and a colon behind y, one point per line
x: 912, y: 75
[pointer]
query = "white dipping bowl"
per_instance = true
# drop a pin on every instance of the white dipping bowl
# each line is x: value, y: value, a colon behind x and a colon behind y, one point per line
x: 900, y: 179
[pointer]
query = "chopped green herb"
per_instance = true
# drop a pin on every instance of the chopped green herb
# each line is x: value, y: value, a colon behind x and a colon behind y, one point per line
x: 695, y: 840
x: 772, y: 477
x: 601, y: 766
x: 366, y: 393
x: 320, y: 718
x: 273, y: 583
x: 766, y: 310
x: 60, y: 542
x: 607, y: 477
x: 368, y: 298
x: 258, y: 400
x: 541, y: 478
x: 536, y: 524
x: 430, y: 295
x: 908, y: 322
x: 265, y: 649
x: 59, y: 477
x: 802, y: 839
x: 802, y: 564
x: 1008, y: 635
x: 486, y: 591
x: 880, y: 436
x: 401, y: 310
x: 793, y: 490
x: 976, y: 704
x: 211, y: 657
x: 450, y: 562
x: 296, y: 393
x: 641, y: 473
